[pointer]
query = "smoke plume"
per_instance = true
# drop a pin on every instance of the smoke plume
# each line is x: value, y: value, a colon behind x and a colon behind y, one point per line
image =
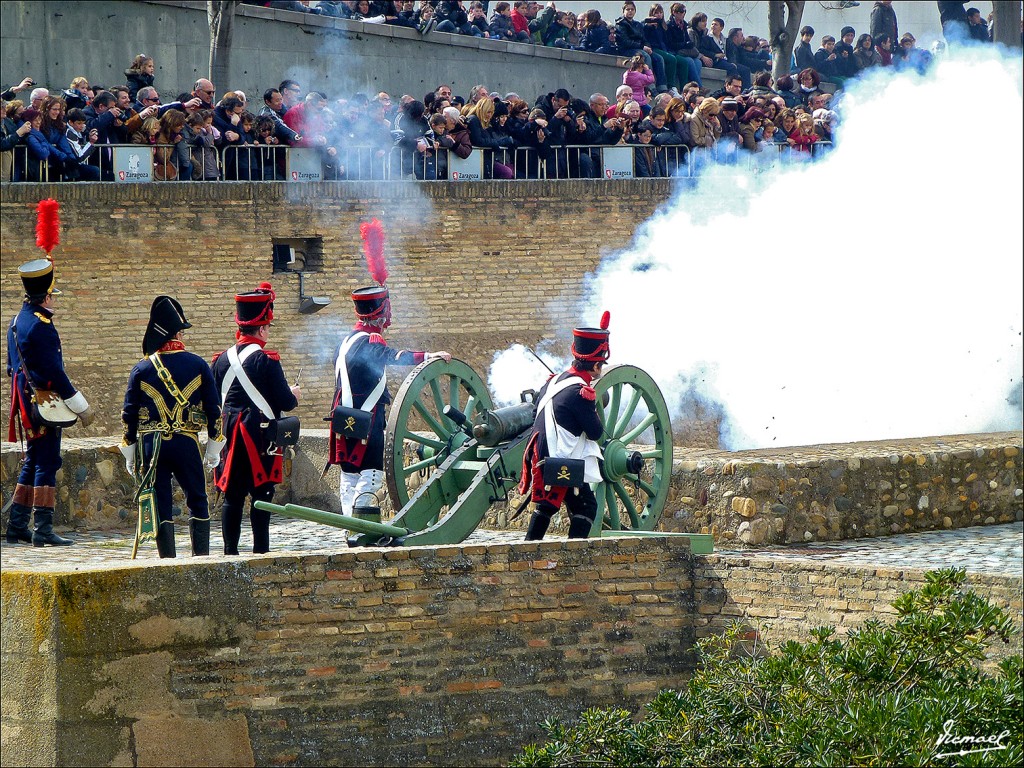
x: 873, y: 294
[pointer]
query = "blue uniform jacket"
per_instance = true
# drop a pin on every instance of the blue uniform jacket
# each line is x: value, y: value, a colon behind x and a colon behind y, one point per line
x: 366, y: 361
x: 149, y: 405
x: 243, y: 419
x: 38, y: 340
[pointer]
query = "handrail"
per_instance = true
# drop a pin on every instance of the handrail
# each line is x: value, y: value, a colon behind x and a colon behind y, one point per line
x: 135, y: 163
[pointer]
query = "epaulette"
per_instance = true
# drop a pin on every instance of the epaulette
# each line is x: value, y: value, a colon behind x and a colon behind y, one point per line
x: 273, y: 354
x: 376, y: 338
x: 588, y: 393
x: 218, y: 354
x: 42, y: 317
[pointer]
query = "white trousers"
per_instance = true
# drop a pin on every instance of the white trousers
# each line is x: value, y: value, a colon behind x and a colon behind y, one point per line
x: 355, y: 484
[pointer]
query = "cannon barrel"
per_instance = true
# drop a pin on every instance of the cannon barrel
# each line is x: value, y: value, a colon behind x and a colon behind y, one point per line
x: 330, y: 518
x: 503, y: 424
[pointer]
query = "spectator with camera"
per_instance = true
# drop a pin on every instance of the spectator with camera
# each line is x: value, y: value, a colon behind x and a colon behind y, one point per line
x: 14, y: 90
x: 486, y: 130
x: 38, y: 162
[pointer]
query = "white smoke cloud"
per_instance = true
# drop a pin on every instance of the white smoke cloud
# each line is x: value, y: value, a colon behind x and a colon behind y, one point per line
x: 874, y: 294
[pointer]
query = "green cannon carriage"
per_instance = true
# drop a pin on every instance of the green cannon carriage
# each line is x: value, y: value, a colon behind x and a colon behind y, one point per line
x: 449, y: 455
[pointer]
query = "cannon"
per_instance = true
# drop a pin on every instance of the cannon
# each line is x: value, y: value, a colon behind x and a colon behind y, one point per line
x: 449, y: 455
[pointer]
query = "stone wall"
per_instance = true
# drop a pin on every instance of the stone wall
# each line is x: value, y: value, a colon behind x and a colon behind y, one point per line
x: 461, y: 277
x: 419, y: 656
x: 848, y: 491
x: 447, y: 656
x: 755, y: 498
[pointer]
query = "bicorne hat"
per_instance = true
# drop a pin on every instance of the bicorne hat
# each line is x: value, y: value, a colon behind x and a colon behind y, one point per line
x: 166, y: 318
x: 591, y: 344
x: 38, y: 277
x: 255, y: 307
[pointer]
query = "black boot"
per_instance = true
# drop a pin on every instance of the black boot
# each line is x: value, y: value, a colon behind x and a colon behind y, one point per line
x: 230, y: 528
x: 17, y: 526
x: 260, y: 530
x: 538, y: 525
x: 579, y: 527
x: 165, y: 540
x: 43, y: 533
x: 199, y: 530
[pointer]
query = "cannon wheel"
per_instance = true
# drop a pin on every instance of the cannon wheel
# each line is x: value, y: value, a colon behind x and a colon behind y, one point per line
x: 419, y: 437
x: 635, y: 419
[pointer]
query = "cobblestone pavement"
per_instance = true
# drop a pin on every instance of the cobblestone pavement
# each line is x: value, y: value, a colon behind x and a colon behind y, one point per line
x: 992, y: 549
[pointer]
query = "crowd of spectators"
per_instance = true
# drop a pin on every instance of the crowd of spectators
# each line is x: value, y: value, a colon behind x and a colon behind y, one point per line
x: 661, y: 109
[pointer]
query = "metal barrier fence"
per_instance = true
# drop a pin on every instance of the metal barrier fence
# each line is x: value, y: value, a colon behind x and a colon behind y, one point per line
x: 134, y: 163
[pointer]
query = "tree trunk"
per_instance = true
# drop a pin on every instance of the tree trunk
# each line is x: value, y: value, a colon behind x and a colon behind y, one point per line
x: 783, y: 32
x: 1006, y: 17
x: 221, y: 15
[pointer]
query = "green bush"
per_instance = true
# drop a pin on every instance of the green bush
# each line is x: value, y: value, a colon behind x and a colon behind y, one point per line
x: 883, y: 696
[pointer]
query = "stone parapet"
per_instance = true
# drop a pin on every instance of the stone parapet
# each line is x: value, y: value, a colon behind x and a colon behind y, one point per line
x: 753, y: 498
x: 410, y: 656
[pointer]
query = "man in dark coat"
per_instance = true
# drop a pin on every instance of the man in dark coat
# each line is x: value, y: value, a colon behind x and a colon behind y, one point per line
x: 36, y: 363
x: 254, y: 392
x: 170, y: 399
x: 567, y: 427
x: 361, y: 385
x: 883, y: 21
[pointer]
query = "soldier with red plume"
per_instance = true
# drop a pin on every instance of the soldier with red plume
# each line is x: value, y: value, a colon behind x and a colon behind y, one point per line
x: 254, y: 394
x: 561, y: 458
x: 36, y: 364
x: 361, y: 394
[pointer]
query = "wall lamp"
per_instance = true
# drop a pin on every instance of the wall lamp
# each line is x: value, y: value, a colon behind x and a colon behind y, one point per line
x: 309, y: 305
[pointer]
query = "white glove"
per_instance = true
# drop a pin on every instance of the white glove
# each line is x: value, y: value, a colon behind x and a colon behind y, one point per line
x: 77, y: 403
x: 128, y: 451
x: 213, y: 449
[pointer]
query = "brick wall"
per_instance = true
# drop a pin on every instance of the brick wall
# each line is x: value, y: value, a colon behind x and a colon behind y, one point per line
x: 446, y: 656
x: 474, y: 267
x: 419, y: 656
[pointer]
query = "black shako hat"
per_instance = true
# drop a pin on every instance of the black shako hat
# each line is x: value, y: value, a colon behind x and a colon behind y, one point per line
x: 591, y: 344
x: 38, y: 277
x: 166, y: 318
x: 372, y: 303
x: 255, y: 307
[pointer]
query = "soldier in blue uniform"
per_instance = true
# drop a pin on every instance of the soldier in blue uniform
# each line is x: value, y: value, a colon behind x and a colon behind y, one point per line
x: 253, y: 391
x: 170, y: 398
x: 567, y: 427
x: 35, y: 361
x: 361, y: 383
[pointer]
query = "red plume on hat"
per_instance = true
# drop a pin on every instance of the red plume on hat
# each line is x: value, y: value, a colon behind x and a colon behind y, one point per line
x: 372, y: 233
x: 48, y: 225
